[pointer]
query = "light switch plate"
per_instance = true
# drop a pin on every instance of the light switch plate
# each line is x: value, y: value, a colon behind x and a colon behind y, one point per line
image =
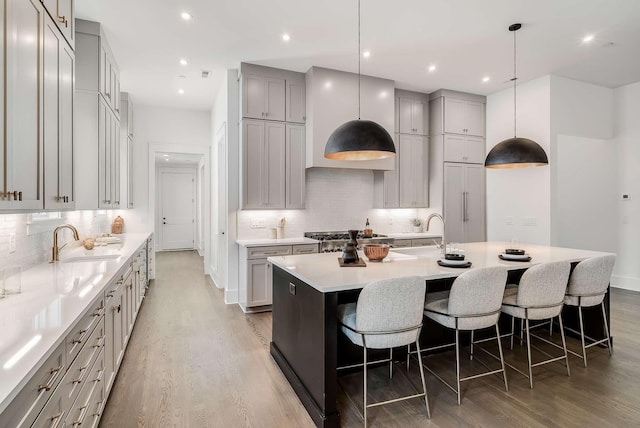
x: 626, y: 196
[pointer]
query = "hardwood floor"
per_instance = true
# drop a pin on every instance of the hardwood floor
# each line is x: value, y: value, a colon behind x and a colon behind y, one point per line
x: 193, y: 361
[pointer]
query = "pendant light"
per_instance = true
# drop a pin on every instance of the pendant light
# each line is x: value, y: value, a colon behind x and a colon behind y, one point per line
x: 359, y: 139
x: 516, y: 152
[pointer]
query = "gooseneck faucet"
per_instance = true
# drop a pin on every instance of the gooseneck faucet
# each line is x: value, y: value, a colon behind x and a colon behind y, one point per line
x: 56, y: 250
x: 442, y: 243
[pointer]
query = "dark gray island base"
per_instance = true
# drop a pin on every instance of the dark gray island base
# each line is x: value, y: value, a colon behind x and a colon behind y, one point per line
x: 307, y: 346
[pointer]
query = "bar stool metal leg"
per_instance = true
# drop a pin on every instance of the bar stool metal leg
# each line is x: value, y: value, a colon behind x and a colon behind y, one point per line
x: 364, y: 393
x: 584, y: 348
x: 526, y: 312
x: 471, y: 352
x: 424, y: 383
x: 504, y: 372
x: 390, y: 363
x: 458, y: 360
x: 606, y: 328
x: 564, y: 344
x: 513, y: 326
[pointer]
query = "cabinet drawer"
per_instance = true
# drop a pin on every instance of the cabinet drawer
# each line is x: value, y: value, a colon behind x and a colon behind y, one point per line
x: 79, y: 369
x: 264, y: 252
x: 31, y: 399
x: 53, y: 413
x: 424, y: 242
x: 87, y: 408
x: 83, y: 329
x: 401, y: 243
x: 305, y: 249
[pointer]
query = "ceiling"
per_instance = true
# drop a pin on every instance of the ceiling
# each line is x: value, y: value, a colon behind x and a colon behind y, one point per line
x: 465, y: 39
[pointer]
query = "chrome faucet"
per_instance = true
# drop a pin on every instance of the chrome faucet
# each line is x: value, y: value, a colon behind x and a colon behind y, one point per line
x: 56, y: 250
x: 442, y: 245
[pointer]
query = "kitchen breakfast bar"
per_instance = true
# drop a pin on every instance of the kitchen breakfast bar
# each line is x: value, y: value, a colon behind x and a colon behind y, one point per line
x: 307, y: 290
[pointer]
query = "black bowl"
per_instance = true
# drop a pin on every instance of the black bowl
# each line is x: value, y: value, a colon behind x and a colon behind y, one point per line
x: 452, y: 256
x: 514, y: 251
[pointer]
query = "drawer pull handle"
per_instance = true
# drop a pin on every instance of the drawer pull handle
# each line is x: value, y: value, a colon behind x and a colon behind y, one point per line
x: 47, y: 386
x: 100, y: 373
x: 83, y: 412
x: 100, y: 343
x: 57, y: 418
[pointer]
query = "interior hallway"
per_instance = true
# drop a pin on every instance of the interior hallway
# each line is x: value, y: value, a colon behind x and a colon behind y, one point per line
x: 193, y: 361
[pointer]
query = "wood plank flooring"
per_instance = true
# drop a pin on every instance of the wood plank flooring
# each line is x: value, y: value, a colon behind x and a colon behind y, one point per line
x: 193, y: 361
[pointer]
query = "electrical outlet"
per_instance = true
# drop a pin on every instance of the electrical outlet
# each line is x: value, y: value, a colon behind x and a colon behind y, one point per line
x: 12, y: 242
x: 626, y: 197
x: 258, y: 223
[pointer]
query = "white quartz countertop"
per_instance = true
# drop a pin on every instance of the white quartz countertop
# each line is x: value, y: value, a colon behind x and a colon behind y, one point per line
x: 53, y: 298
x: 269, y: 242
x: 322, y: 272
x: 414, y: 235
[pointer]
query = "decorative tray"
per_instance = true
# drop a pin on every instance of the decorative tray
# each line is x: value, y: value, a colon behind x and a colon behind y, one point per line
x: 358, y: 263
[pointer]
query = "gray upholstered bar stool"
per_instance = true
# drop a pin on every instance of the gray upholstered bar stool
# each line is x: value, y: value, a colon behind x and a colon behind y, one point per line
x: 587, y: 286
x: 538, y: 296
x: 474, y: 303
x: 388, y: 314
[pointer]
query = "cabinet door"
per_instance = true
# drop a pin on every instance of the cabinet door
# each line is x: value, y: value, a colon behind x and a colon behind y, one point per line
x: 253, y: 97
x: 129, y: 117
x: 66, y: 20
x: 405, y: 114
x: 274, y: 164
x: 115, y: 103
x: 130, y: 173
x: 21, y: 166
x: 474, y: 150
x: 414, y: 171
x: 275, y: 96
x: 295, y: 166
x: 454, y: 148
x: 115, y: 162
x: 105, y: 71
x: 474, y: 205
x: 391, y: 186
x: 417, y: 117
x: 454, y: 112
x: 252, y: 146
x: 104, y: 155
x: 474, y: 118
x: 131, y: 304
x: 453, y: 201
x: 259, y: 281
x: 296, y: 102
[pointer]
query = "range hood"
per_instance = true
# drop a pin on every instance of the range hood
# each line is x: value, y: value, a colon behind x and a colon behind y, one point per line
x: 332, y: 100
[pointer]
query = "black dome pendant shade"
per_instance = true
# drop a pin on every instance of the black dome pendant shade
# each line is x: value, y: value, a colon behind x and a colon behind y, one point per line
x: 516, y: 152
x: 359, y: 140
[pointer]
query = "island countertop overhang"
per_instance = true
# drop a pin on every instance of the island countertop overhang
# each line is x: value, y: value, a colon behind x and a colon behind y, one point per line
x: 322, y: 272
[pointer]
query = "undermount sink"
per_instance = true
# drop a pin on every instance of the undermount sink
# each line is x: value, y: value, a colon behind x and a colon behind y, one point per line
x: 90, y: 258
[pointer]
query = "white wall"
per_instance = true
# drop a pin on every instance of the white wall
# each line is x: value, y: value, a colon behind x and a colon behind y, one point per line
x: 518, y: 200
x: 627, y: 131
x: 161, y: 125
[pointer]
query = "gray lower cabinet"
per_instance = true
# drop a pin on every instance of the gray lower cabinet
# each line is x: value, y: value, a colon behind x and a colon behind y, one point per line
x: 256, y: 290
x: 464, y: 206
x: 70, y: 388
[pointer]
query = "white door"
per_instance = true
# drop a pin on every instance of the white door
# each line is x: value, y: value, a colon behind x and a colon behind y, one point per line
x: 177, y: 194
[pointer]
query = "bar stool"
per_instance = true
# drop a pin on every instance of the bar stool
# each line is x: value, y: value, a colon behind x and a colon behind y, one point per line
x: 538, y: 296
x: 587, y: 286
x: 388, y: 314
x: 474, y: 303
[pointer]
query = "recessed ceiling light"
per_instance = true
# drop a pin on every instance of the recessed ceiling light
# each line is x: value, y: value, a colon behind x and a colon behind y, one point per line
x: 183, y: 62
x: 328, y: 84
x: 366, y: 54
x: 186, y: 16
x: 485, y: 79
x: 588, y: 38
x: 181, y: 91
x: 432, y: 68
x: 286, y: 37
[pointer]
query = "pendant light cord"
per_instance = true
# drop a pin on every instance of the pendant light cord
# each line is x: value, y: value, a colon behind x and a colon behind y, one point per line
x: 515, y: 78
x: 359, y: 54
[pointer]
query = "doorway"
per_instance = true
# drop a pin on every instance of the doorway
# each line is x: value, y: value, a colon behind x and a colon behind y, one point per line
x: 177, y: 197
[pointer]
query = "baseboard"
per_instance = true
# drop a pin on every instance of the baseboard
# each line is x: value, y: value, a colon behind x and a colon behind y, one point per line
x: 230, y: 296
x: 625, y: 282
x: 200, y: 252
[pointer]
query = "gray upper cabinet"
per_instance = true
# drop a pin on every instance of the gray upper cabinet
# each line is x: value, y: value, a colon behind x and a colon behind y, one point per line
x: 461, y: 148
x: 20, y: 68
x: 296, y: 101
x: 58, y: 65
x: 61, y: 12
x: 295, y: 166
x: 263, y: 97
x: 126, y: 139
x: 263, y: 176
x: 464, y: 117
x: 411, y: 116
x: 413, y: 171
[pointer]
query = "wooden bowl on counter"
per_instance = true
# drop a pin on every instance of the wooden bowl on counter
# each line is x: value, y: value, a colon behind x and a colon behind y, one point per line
x: 376, y: 252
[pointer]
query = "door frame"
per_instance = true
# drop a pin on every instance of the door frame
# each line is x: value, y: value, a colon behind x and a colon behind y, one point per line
x: 193, y: 171
x: 153, y: 149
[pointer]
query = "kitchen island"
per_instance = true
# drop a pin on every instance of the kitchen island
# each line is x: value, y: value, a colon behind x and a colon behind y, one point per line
x: 307, y: 290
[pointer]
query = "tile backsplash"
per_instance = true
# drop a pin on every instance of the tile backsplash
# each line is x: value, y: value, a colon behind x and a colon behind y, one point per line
x: 34, y: 237
x: 336, y: 199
